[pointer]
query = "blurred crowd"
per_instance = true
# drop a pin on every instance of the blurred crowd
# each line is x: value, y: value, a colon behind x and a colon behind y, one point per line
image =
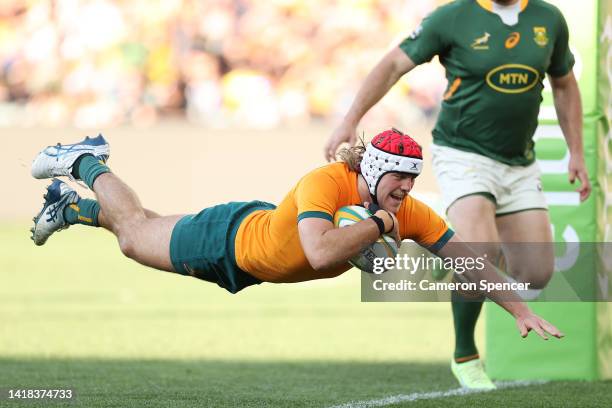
x: 256, y: 63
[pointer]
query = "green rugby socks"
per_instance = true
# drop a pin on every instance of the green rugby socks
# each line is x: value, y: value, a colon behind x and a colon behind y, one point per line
x: 85, y: 212
x: 88, y: 168
x: 465, y: 315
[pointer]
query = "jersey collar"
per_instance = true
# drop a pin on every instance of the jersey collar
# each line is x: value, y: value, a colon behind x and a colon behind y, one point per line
x: 488, y: 4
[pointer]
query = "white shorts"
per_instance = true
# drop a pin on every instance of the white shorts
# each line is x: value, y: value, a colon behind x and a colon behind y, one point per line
x: 511, y: 188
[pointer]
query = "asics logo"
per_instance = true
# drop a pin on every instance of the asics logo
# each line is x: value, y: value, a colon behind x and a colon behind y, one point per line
x: 61, y: 150
x: 512, y: 40
x: 54, y: 208
x: 87, y: 145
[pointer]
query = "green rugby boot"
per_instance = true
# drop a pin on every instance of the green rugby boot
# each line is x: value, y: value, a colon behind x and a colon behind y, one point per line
x: 471, y: 375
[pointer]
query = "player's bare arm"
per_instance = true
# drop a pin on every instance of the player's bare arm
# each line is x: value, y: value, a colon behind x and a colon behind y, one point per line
x: 526, y: 320
x: 326, y: 246
x: 569, y: 111
x: 376, y: 85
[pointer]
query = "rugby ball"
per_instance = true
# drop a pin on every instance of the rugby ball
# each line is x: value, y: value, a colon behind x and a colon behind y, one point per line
x: 385, y: 247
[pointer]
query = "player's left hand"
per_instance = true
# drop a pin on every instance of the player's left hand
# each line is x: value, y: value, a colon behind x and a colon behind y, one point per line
x: 531, y: 321
x: 394, y: 233
x: 577, y: 170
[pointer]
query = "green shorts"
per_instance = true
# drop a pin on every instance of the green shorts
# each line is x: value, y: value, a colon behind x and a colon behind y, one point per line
x: 203, y: 245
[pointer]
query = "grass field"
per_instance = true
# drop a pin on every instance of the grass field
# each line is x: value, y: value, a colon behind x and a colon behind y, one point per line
x: 75, y: 314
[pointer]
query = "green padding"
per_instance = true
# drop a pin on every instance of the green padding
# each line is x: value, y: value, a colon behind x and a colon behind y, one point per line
x: 510, y: 357
x: 583, y: 352
x: 315, y: 214
x: 586, y: 351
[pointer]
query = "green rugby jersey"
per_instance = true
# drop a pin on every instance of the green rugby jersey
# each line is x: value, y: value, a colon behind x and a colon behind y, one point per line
x: 495, y: 73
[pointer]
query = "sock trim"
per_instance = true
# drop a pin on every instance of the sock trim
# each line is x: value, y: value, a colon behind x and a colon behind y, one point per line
x: 465, y: 359
x: 86, y: 219
x: 94, y: 178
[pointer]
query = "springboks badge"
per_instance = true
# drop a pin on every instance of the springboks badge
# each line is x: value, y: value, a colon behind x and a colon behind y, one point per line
x: 541, y: 38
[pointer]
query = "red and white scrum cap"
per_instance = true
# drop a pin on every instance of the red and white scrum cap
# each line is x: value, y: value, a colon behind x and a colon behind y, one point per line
x: 390, y: 152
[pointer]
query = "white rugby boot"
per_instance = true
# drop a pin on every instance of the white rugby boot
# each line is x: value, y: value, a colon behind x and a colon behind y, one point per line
x: 51, y: 218
x: 56, y: 161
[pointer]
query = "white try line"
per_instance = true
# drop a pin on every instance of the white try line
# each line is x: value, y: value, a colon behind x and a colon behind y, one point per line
x: 416, y: 396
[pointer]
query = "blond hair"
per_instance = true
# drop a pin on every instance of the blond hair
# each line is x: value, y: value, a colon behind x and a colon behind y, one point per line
x: 352, y: 156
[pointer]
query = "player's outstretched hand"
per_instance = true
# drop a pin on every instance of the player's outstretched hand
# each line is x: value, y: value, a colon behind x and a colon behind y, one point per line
x: 343, y: 134
x: 531, y: 321
x: 577, y: 170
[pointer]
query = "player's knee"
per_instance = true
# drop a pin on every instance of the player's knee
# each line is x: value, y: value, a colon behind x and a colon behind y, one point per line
x: 127, y: 240
x: 126, y: 244
x: 540, y: 280
x: 537, y: 275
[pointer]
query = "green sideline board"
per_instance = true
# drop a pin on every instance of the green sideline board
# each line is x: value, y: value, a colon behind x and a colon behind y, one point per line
x: 586, y: 351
